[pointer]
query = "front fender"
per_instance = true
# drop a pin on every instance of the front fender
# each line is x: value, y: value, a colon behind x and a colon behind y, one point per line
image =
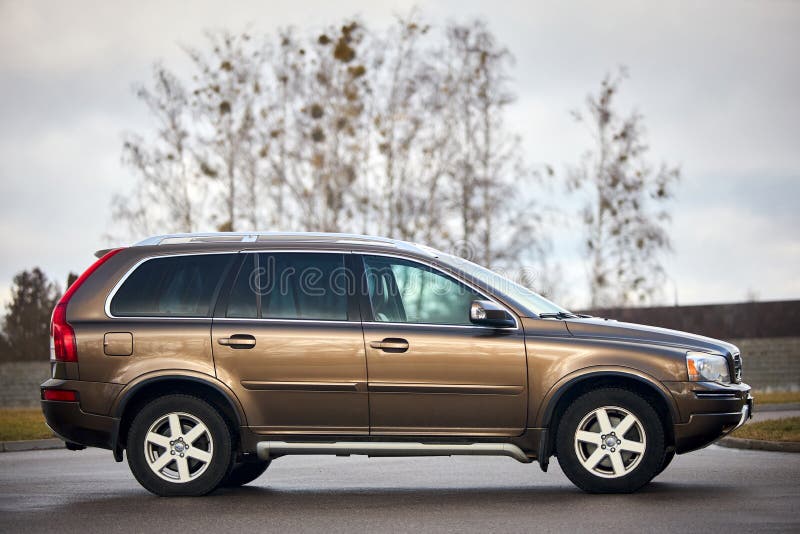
x: 557, y: 391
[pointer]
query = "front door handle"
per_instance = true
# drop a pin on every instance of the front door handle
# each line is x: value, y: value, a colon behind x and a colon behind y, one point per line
x: 238, y: 341
x: 390, y: 344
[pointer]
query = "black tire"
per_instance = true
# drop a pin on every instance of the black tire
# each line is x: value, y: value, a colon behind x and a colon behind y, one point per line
x: 203, y: 476
x: 244, y: 473
x: 637, y: 468
x: 668, y: 456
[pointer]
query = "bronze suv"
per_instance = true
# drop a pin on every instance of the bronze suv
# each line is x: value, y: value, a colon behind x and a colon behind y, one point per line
x: 206, y: 356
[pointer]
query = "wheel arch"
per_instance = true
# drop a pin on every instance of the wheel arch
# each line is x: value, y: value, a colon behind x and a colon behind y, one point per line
x: 571, y: 387
x: 147, y: 388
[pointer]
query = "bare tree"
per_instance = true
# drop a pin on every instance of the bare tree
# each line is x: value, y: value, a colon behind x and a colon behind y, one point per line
x: 287, y: 73
x: 399, y: 132
x: 498, y: 216
x: 334, y: 124
x: 227, y: 109
x: 624, y: 217
x: 165, y: 198
x: 413, y: 132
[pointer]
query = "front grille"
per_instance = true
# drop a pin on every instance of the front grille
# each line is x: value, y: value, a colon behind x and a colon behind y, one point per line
x: 737, y: 368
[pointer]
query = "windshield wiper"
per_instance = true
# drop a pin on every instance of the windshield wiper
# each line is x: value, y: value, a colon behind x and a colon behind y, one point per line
x: 558, y: 315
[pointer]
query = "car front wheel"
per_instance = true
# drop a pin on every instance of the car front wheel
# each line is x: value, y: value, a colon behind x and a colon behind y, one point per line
x: 179, y: 445
x: 610, y: 441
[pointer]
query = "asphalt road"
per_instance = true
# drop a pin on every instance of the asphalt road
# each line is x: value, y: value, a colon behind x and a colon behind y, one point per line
x: 713, y: 490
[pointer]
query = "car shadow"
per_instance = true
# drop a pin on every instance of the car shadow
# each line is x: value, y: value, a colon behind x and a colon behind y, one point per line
x: 285, y: 504
x: 485, y: 496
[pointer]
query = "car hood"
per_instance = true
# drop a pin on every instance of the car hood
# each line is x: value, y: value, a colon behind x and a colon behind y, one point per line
x: 610, y: 329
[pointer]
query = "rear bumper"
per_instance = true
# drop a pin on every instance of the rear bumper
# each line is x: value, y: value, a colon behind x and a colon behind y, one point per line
x: 717, y: 411
x: 73, y: 425
x: 74, y: 422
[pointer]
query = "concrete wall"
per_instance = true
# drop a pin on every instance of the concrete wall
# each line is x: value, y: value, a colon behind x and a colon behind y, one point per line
x: 770, y: 364
x: 19, y: 383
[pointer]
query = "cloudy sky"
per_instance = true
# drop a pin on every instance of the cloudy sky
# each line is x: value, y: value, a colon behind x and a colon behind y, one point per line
x: 717, y: 82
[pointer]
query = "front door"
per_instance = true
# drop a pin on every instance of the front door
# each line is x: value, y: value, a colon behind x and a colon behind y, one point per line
x: 287, y: 340
x: 432, y: 372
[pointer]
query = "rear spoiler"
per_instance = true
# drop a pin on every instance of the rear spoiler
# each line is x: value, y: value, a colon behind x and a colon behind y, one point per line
x: 103, y: 251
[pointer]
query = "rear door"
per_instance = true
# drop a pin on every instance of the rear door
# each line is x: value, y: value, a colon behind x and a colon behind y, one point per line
x: 432, y: 372
x: 287, y: 340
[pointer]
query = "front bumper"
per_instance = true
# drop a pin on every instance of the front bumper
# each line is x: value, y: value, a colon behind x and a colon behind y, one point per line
x: 709, y: 412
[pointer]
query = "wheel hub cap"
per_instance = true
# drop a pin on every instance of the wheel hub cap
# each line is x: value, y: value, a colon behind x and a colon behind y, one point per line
x: 178, y: 447
x: 610, y: 442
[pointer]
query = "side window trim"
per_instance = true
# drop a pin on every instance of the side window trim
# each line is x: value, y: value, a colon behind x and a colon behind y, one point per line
x: 257, y: 265
x: 359, y: 304
x: 366, y: 303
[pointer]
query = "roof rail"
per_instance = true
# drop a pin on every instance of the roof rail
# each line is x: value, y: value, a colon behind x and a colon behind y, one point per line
x: 209, y: 237
x: 253, y: 237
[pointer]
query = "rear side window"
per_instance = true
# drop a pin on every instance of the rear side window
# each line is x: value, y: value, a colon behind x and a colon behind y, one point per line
x: 178, y: 286
x: 303, y: 286
x: 291, y: 285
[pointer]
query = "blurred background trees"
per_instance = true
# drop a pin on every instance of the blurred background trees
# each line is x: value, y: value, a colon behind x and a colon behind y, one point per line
x: 399, y: 132
x: 26, y: 326
x: 625, y: 213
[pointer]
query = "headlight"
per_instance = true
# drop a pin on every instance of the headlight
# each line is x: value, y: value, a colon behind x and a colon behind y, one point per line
x: 707, y: 367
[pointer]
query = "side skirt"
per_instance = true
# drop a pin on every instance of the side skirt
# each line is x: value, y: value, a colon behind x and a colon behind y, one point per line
x: 272, y: 449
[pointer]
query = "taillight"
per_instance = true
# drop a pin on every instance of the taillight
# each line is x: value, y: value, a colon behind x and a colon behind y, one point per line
x: 63, y: 346
x: 63, y: 395
x: 62, y: 336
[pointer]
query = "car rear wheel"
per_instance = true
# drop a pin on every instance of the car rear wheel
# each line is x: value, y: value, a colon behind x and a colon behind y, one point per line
x: 610, y: 441
x: 244, y: 473
x: 179, y: 445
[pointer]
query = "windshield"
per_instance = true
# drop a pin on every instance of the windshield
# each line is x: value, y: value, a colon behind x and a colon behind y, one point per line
x: 523, y: 297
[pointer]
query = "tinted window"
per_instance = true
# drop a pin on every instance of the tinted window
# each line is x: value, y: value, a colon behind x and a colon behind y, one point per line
x: 243, y: 300
x: 407, y: 292
x: 179, y: 286
x: 302, y: 286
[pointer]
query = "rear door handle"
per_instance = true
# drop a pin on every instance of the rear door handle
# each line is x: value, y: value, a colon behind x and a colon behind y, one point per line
x: 390, y: 344
x: 238, y: 341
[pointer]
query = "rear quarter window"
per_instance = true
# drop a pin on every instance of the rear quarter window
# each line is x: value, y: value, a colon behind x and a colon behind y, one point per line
x: 177, y: 286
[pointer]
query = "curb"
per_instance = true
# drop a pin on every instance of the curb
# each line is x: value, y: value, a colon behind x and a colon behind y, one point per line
x: 785, y: 407
x: 759, y: 445
x: 31, y: 445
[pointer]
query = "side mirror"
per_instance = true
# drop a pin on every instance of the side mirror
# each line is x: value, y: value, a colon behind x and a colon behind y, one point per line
x: 487, y: 313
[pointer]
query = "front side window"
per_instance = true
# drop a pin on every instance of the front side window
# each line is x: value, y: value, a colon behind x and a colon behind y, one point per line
x: 291, y: 285
x: 177, y: 286
x: 403, y: 291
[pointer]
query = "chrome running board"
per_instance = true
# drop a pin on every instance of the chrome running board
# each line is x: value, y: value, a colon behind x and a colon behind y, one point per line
x: 271, y: 449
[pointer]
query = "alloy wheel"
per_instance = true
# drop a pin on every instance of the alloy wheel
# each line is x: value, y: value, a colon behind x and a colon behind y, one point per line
x: 610, y: 442
x: 178, y: 447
